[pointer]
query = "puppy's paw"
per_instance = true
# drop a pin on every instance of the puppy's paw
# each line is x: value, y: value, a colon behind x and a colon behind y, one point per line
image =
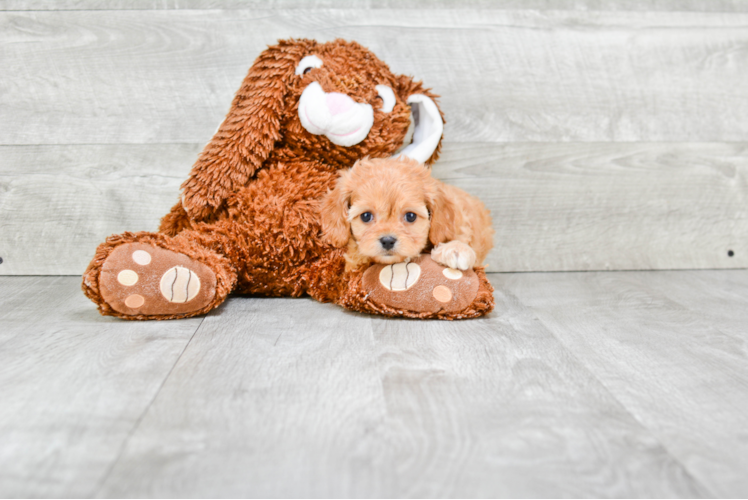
x: 454, y: 254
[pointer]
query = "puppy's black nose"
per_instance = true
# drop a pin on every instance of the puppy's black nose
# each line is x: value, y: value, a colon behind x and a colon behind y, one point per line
x: 387, y: 242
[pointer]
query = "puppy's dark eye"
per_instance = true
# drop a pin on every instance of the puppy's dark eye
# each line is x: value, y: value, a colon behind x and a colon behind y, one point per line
x: 410, y: 217
x: 307, y: 70
x: 366, y: 217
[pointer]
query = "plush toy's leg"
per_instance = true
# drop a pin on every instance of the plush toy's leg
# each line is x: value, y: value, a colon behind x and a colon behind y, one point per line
x: 420, y: 288
x: 154, y: 276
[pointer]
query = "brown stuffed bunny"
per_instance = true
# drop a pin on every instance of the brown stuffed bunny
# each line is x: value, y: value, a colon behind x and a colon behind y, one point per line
x: 248, y: 218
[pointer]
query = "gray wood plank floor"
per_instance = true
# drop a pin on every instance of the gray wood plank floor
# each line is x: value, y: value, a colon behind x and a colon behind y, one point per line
x: 72, y: 385
x: 626, y: 384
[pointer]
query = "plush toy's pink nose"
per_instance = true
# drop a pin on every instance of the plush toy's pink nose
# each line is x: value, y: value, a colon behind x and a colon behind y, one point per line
x: 338, y: 103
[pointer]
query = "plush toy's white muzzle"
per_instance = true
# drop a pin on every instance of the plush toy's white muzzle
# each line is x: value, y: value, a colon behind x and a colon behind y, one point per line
x: 347, y: 122
x: 336, y: 116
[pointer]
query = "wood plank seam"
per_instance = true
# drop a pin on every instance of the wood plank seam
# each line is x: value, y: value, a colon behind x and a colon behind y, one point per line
x: 134, y: 428
x: 654, y: 435
x: 584, y: 366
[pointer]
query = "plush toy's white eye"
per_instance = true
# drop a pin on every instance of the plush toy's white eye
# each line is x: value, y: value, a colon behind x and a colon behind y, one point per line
x: 306, y: 64
x: 388, y: 97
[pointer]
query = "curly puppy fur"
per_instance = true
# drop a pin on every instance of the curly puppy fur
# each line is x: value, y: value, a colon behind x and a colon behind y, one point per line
x: 250, y: 207
x: 391, y: 210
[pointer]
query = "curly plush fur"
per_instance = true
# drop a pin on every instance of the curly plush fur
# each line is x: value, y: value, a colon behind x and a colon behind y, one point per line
x: 249, y: 210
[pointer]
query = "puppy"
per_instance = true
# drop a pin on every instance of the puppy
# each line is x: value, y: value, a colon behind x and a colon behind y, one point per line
x: 392, y: 210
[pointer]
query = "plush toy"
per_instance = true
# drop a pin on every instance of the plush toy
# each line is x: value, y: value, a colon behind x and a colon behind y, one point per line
x: 248, y: 218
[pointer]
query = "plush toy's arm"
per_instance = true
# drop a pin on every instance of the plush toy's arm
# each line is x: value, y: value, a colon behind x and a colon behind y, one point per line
x: 247, y: 135
x: 175, y: 221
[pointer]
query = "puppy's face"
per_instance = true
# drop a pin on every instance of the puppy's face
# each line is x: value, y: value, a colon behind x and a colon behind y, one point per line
x: 387, y: 214
x: 389, y: 223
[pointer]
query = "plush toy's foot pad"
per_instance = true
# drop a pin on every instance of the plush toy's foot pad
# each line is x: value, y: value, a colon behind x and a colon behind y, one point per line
x: 420, y: 286
x: 139, y: 279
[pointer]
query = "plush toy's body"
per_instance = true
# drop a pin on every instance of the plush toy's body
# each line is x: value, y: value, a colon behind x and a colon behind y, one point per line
x: 248, y: 220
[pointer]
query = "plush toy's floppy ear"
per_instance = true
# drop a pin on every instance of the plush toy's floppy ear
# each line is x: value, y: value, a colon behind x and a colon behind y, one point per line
x: 336, y: 229
x: 247, y: 135
x: 427, y: 118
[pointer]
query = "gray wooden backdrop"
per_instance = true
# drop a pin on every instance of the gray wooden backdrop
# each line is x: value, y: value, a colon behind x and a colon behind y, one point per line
x: 601, y: 134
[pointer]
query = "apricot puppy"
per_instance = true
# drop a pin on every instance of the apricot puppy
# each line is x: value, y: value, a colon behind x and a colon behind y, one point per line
x: 391, y: 210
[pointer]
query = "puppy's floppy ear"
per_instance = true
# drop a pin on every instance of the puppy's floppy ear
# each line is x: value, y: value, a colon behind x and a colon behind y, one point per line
x: 445, y: 216
x: 427, y: 118
x: 334, y: 212
x: 247, y: 135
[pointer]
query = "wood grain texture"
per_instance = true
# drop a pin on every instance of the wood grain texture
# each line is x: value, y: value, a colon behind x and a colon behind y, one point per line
x: 73, y: 385
x: 505, y: 75
x: 583, y: 5
x: 671, y: 346
x: 608, y: 206
x: 291, y: 398
x: 60, y: 202
x: 555, y: 206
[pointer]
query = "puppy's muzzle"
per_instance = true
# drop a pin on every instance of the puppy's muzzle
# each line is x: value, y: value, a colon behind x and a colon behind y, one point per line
x: 387, y: 242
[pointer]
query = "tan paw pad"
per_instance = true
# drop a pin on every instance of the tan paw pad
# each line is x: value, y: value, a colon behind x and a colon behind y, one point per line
x: 400, y: 277
x: 442, y: 294
x: 452, y: 274
x: 141, y: 257
x: 134, y: 301
x: 179, y: 285
x: 127, y: 277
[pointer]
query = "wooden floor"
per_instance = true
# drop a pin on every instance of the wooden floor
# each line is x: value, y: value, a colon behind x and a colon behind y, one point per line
x: 612, y: 384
